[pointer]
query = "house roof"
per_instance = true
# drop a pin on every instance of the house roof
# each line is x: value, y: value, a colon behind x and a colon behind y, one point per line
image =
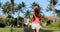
x: 50, y: 17
x: 1, y: 16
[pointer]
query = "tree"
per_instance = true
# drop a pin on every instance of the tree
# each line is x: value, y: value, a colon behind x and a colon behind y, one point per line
x: 0, y: 4
x: 58, y: 13
x: 52, y: 4
x: 20, y: 21
x: 2, y: 22
x: 8, y: 9
x: 12, y: 2
x: 27, y: 14
x: 19, y: 9
x: 51, y: 7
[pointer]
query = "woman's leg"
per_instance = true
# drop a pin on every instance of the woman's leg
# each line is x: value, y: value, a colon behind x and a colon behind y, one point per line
x: 38, y: 27
x: 33, y: 27
x: 34, y: 30
x: 37, y: 30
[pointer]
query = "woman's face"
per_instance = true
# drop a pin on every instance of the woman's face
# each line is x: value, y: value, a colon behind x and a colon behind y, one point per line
x: 35, y: 8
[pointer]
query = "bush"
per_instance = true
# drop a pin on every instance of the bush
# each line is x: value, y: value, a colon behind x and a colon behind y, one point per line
x: 2, y: 25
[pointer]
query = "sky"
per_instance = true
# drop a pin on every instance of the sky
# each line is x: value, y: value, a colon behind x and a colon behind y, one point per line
x: 42, y: 3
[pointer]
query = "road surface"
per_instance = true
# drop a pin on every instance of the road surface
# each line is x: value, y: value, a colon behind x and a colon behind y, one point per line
x: 30, y: 30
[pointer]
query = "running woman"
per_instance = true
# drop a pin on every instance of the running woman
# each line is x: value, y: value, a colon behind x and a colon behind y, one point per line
x: 36, y: 19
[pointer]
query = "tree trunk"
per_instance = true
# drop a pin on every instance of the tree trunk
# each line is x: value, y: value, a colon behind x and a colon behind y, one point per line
x: 18, y: 18
x: 53, y: 9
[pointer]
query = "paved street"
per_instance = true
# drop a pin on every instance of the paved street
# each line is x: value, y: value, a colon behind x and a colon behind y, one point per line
x: 30, y: 30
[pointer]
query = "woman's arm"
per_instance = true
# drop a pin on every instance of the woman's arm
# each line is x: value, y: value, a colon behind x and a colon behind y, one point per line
x: 40, y: 18
x: 32, y: 17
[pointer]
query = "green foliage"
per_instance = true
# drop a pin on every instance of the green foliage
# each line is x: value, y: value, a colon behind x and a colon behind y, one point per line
x: 27, y: 14
x: 21, y: 19
x: 58, y: 12
x: 12, y: 2
x: 23, y: 4
x: 2, y: 21
x: 19, y: 7
x: 34, y: 3
x: 0, y: 4
x: 54, y: 2
x: 7, y: 8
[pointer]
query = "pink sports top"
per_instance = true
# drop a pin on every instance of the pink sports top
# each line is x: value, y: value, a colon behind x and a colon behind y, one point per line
x: 37, y: 20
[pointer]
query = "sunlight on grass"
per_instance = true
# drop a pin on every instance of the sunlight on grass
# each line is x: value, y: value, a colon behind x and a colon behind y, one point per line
x: 9, y: 30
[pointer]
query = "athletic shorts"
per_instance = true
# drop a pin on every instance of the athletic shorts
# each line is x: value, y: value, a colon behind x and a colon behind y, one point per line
x: 36, y: 26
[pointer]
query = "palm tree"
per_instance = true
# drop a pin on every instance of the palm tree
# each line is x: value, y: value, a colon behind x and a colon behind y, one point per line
x: 7, y: 8
x: 0, y: 4
x: 27, y: 14
x: 52, y: 7
x: 19, y: 9
x: 54, y: 2
x: 12, y: 3
x: 58, y: 13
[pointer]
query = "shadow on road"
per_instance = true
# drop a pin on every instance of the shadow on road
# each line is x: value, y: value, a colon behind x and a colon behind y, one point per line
x: 30, y: 30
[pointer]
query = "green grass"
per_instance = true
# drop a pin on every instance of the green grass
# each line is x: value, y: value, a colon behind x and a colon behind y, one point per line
x: 21, y: 29
x: 9, y: 30
x: 53, y: 26
x: 54, y: 29
x: 50, y: 27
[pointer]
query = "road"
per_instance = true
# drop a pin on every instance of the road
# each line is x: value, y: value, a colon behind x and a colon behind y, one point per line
x: 41, y: 30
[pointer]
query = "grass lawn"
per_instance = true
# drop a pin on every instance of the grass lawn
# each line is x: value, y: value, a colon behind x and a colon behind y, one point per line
x: 55, y: 29
x: 9, y: 30
x: 21, y: 29
x: 51, y: 28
